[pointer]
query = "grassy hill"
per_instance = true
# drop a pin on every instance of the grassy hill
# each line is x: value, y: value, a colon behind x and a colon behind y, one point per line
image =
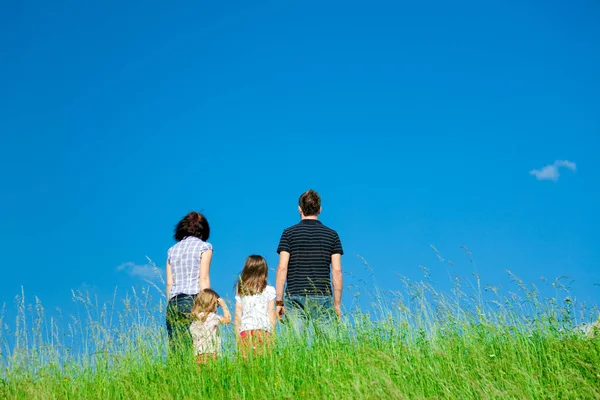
x: 419, y: 345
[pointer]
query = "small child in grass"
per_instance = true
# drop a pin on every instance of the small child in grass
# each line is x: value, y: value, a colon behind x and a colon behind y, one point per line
x: 205, y: 326
x: 255, y: 315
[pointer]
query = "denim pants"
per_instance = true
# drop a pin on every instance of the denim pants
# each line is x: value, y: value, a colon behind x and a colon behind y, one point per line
x: 304, y: 312
x: 178, y: 318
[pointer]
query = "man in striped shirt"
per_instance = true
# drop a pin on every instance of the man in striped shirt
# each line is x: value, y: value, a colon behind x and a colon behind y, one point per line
x: 310, y: 260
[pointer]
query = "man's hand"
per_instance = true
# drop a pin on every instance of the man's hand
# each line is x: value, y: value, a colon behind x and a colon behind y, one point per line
x: 338, y: 311
x: 280, y: 312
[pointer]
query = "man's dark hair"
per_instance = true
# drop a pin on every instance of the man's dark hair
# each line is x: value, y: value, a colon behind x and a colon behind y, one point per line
x: 310, y: 203
x: 193, y: 224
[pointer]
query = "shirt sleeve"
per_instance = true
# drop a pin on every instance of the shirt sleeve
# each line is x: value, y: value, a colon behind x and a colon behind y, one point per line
x: 213, y: 320
x: 207, y: 246
x: 270, y: 293
x: 238, y: 298
x: 337, y: 246
x: 284, y: 243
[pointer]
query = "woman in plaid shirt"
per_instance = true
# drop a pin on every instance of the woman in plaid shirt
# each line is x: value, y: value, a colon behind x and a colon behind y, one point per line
x: 188, y: 268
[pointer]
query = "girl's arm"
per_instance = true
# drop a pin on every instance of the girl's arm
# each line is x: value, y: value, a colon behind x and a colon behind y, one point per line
x: 169, y: 279
x: 237, y: 324
x: 272, y: 315
x: 226, y: 318
x: 205, y: 269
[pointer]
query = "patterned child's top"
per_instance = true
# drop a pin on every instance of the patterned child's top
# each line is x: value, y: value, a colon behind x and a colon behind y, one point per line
x: 205, y: 335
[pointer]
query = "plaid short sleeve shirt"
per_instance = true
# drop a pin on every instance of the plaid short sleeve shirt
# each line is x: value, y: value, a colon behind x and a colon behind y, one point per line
x: 184, y: 258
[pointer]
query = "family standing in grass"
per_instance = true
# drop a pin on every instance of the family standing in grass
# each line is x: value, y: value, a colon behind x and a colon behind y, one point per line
x: 309, y: 265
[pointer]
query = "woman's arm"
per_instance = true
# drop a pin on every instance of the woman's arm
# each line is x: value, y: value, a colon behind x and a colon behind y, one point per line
x: 205, y: 269
x: 169, y: 279
x: 272, y: 314
x: 237, y: 322
x: 226, y: 318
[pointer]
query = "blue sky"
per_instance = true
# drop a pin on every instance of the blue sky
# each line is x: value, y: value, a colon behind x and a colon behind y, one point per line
x: 418, y: 122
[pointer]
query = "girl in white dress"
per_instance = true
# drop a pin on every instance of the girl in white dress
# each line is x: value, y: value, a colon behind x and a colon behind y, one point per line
x: 255, y: 315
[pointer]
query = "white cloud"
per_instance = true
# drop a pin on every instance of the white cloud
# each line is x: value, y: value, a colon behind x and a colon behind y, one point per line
x: 551, y: 172
x: 144, y: 271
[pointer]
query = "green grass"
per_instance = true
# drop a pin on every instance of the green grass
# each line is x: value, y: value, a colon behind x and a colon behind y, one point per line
x: 420, y: 344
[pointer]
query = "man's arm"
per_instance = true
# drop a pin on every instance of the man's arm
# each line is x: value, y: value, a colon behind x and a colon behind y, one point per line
x: 282, y: 270
x: 338, y: 284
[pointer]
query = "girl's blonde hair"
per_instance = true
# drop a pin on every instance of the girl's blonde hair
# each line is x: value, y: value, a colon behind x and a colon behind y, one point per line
x: 253, y: 279
x: 205, y: 302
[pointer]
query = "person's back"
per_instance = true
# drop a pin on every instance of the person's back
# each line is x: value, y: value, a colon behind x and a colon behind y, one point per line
x: 184, y: 258
x: 204, y: 329
x: 187, y: 273
x: 309, y: 261
x: 256, y: 313
x: 255, y: 317
x: 205, y: 334
x: 310, y: 245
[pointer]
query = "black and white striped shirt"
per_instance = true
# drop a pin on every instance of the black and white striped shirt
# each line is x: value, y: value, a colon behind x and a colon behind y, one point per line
x: 311, y: 245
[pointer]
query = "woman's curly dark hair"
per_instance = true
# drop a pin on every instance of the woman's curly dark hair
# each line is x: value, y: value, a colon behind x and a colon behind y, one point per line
x: 193, y: 224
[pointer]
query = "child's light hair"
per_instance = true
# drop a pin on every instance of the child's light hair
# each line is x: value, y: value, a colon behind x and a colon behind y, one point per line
x: 205, y: 302
x: 253, y: 279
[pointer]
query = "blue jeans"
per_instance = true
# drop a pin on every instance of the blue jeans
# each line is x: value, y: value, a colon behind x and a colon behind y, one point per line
x: 304, y: 312
x: 178, y: 318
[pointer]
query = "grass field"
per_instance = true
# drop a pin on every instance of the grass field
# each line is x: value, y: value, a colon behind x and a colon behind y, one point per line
x: 415, y: 343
